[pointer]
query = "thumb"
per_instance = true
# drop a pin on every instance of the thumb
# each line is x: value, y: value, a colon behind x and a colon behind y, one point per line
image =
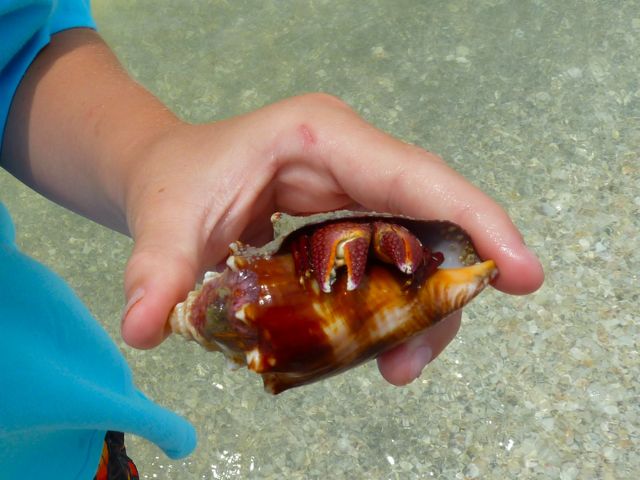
x: 158, y: 276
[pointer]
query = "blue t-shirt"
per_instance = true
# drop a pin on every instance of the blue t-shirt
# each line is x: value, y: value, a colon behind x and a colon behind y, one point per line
x: 63, y: 382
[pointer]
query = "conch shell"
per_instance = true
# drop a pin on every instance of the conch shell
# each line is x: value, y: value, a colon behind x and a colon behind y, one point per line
x: 289, y: 312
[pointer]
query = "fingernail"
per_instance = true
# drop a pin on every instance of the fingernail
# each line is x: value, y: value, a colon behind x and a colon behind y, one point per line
x: 135, y: 298
x: 420, y: 358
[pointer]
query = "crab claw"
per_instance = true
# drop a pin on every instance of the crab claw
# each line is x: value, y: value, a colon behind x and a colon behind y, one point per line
x: 396, y: 245
x: 336, y: 245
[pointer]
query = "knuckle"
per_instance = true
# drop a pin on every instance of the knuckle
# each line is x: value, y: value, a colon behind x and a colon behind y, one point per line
x: 306, y: 121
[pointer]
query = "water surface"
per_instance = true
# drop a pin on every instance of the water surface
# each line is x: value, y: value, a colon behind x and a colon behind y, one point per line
x: 538, y: 103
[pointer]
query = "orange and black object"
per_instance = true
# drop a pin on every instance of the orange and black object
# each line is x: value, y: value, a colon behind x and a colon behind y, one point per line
x: 114, y: 462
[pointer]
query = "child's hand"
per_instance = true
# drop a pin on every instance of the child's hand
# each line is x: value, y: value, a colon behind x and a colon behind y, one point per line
x: 83, y: 133
x: 197, y: 188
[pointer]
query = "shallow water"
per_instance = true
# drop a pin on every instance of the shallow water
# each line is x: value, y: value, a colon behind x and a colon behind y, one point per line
x: 538, y: 102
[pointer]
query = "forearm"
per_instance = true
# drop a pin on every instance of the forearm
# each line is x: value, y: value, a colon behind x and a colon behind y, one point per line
x: 77, y: 126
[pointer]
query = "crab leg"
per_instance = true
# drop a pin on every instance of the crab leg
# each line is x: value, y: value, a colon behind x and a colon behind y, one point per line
x: 347, y: 244
x: 336, y: 245
x: 396, y: 245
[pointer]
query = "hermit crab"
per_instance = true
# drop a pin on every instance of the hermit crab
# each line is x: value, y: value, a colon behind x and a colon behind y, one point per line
x: 331, y: 291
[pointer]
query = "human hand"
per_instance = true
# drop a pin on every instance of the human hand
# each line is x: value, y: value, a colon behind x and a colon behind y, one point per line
x: 195, y: 189
x: 84, y: 134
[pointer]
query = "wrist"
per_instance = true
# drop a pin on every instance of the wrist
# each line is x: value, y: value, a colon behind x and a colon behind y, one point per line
x: 149, y: 166
x: 126, y: 154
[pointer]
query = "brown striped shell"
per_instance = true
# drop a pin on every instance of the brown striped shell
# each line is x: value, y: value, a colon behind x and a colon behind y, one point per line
x: 260, y: 312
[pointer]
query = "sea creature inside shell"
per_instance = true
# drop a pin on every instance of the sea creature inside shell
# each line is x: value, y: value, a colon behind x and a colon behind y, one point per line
x: 330, y: 292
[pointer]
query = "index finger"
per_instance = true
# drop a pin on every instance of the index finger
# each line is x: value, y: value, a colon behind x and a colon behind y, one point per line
x: 384, y: 174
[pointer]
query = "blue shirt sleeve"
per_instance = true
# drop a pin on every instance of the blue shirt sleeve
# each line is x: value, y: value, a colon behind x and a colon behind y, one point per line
x: 26, y: 27
x: 63, y: 382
